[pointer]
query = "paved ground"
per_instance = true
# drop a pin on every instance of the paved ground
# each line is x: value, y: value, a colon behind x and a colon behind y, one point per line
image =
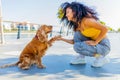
x: 57, y: 63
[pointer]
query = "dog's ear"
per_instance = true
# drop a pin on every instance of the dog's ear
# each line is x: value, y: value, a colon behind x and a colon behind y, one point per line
x: 41, y: 35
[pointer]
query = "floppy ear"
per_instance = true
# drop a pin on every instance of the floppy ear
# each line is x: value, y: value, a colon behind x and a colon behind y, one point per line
x: 41, y: 35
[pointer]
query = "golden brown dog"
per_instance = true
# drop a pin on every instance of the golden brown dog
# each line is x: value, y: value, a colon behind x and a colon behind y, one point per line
x: 34, y: 50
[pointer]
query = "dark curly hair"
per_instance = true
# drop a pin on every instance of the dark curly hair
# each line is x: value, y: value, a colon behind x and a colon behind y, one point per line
x: 80, y: 11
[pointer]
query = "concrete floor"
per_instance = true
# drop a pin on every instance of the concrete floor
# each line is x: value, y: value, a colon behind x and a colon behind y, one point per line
x: 57, y: 60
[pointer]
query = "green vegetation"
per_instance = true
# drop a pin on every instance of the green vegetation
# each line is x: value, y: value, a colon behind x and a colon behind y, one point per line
x: 109, y: 28
x: 60, y: 13
x: 118, y: 30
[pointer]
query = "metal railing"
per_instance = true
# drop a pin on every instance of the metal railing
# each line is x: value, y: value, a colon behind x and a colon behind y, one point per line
x: 27, y: 27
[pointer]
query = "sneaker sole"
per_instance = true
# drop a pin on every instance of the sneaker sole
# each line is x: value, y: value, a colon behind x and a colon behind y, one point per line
x: 77, y: 63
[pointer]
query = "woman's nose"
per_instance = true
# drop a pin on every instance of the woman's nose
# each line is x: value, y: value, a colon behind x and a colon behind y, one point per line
x: 66, y: 15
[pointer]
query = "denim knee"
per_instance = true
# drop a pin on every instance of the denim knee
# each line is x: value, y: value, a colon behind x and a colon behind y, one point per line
x: 84, y: 49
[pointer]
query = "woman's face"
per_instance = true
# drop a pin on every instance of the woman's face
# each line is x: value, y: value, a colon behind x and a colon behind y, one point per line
x: 69, y: 14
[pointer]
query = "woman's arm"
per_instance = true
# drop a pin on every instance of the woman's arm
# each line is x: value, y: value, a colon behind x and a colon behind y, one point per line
x: 93, y: 23
x: 66, y: 40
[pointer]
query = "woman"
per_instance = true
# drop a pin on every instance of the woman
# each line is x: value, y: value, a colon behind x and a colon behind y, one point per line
x: 89, y: 34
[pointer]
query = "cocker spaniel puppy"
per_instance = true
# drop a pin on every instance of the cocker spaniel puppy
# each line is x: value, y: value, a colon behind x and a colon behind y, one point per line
x: 35, y: 49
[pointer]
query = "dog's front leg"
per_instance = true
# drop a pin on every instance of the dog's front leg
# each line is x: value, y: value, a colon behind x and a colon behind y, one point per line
x: 39, y: 60
x: 53, y: 40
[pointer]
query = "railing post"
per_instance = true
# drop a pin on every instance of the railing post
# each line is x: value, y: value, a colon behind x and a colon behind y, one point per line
x: 1, y: 25
x: 19, y: 30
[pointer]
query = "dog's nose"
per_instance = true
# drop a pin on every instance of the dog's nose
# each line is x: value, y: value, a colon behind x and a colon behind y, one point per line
x: 50, y: 26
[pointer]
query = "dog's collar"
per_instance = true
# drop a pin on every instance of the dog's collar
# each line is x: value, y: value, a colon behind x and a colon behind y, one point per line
x: 36, y: 37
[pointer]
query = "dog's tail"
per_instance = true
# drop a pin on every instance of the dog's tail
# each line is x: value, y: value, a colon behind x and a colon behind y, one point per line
x: 9, y: 65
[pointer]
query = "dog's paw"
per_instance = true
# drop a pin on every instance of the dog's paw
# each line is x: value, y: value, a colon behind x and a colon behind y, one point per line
x: 41, y: 66
x: 57, y: 37
x: 25, y: 68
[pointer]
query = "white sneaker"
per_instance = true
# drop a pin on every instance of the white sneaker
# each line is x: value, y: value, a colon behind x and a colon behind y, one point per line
x: 100, y: 61
x: 78, y: 60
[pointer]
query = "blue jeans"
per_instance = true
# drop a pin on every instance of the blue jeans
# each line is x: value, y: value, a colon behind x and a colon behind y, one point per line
x: 103, y: 47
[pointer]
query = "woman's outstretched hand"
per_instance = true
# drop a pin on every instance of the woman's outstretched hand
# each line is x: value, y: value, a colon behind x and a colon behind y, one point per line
x: 58, y: 37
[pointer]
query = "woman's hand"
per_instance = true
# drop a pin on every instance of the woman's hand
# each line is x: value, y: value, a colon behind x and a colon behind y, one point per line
x: 91, y: 42
x: 58, y: 37
x: 65, y: 40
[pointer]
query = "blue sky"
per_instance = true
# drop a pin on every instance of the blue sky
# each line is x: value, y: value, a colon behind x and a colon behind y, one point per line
x: 45, y: 11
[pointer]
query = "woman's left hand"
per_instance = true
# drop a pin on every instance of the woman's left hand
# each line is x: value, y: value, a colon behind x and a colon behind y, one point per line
x: 91, y: 42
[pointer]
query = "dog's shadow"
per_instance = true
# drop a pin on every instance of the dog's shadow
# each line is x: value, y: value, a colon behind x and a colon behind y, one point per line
x: 59, y: 65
